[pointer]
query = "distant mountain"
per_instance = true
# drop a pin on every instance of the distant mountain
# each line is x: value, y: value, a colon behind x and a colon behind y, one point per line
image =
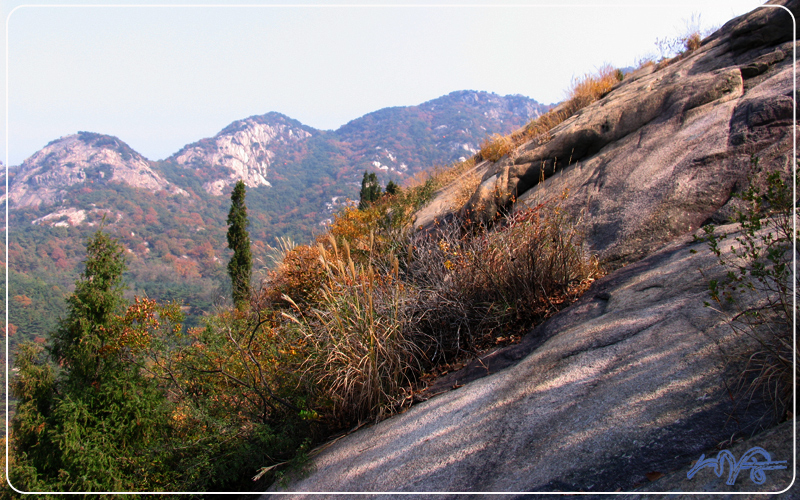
x: 171, y: 215
x: 405, y: 140
x: 398, y: 142
x: 81, y: 158
x: 244, y: 150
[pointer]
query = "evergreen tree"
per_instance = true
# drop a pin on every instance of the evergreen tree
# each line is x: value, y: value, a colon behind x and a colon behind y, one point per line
x: 370, y: 190
x: 392, y: 188
x: 88, y: 418
x: 239, y: 268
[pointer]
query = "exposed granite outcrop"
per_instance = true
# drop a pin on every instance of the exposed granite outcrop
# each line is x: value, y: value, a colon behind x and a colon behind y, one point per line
x: 244, y: 149
x: 663, y: 151
x: 630, y: 383
x: 81, y: 158
x: 627, y: 381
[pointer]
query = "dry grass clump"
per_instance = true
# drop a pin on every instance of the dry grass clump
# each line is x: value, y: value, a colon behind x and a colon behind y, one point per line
x: 466, y: 188
x: 692, y: 41
x: 496, y: 147
x: 591, y: 87
x: 445, y: 176
x: 360, y: 353
x: 480, y: 286
x: 421, y: 188
x: 385, y: 312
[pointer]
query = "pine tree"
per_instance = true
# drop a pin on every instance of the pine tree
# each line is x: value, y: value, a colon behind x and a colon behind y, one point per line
x: 239, y: 268
x: 392, y: 188
x: 370, y: 190
x: 88, y: 418
x: 82, y: 336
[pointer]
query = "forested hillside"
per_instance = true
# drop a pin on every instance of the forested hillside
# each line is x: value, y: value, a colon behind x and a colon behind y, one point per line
x: 170, y: 215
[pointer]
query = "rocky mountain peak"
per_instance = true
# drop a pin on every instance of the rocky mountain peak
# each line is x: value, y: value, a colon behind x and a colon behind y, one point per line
x: 81, y: 158
x: 245, y: 150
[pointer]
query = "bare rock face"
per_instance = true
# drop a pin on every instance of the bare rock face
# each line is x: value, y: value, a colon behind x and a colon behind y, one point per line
x: 244, y: 150
x: 663, y: 151
x: 628, y: 381
x: 82, y: 158
x: 631, y: 382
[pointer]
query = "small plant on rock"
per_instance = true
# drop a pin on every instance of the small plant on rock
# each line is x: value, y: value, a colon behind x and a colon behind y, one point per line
x: 761, y: 266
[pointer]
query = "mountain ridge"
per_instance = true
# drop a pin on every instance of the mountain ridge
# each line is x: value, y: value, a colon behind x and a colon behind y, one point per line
x: 170, y: 215
x: 240, y: 149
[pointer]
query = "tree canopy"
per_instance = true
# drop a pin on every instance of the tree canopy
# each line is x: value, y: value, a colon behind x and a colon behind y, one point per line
x: 370, y: 190
x: 88, y: 418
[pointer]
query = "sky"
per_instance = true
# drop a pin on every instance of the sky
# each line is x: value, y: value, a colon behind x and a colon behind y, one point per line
x: 164, y: 75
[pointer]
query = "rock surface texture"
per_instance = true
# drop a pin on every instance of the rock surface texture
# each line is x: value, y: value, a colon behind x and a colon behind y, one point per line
x: 630, y: 383
x: 662, y: 152
x: 627, y: 381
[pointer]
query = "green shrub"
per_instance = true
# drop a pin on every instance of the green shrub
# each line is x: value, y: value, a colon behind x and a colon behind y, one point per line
x: 89, y: 416
x: 761, y: 267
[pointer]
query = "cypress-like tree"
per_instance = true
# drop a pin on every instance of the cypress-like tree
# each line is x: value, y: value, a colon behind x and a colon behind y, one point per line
x: 239, y: 268
x: 370, y: 190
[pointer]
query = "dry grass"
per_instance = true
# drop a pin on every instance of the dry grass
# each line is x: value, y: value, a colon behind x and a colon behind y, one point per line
x: 591, y: 87
x: 466, y: 188
x: 502, y: 280
x: 359, y: 351
x: 379, y: 317
x: 496, y: 147
x: 376, y: 305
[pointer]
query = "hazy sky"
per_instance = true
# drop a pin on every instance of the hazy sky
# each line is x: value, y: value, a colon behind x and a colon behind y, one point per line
x: 159, y: 77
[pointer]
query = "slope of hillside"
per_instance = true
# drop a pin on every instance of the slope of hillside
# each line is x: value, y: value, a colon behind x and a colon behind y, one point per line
x: 629, y: 383
x: 170, y: 215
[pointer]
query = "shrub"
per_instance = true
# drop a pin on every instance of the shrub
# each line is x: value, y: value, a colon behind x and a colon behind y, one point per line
x: 761, y: 268
x: 239, y: 399
x: 524, y: 269
x: 360, y: 353
x: 299, y: 276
